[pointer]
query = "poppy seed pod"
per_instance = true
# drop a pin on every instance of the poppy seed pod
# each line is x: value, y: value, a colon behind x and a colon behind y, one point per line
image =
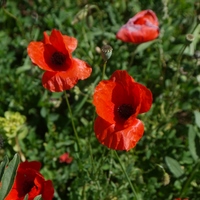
x: 106, y: 52
x: 189, y: 38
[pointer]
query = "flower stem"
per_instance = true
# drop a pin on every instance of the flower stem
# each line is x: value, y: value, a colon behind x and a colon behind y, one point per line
x: 104, y: 69
x: 179, y: 58
x: 72, y: 121
x: 136, y: 196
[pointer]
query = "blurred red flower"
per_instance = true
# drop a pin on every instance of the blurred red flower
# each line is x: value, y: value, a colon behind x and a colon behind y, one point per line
x: 54, y: 55
x: 143, y: 27
x: 29, y: 181
x: 65, y: 158
x: 181, y: 199
x: 118, y: 101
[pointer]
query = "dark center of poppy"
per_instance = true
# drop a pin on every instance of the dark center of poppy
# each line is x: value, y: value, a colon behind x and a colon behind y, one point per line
x: 58, y: 58
x: 125, y: 111
x: 27, y: 186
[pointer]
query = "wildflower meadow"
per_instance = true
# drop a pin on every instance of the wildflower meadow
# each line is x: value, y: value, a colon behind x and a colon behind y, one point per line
x: 100, y: 100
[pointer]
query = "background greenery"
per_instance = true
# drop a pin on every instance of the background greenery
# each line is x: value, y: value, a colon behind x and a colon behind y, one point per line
x: 36, y: 123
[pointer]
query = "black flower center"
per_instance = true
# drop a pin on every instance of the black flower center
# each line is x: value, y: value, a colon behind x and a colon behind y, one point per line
x: 58, y: 58
x: 27, y: 186
x: 125, y: 111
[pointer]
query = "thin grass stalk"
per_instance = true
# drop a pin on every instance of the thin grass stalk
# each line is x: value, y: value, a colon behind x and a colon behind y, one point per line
x: 72, y: 121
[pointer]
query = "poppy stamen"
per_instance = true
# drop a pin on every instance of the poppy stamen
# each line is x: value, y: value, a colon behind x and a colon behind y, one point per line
x: 125, y: 111
x: 58, y: 58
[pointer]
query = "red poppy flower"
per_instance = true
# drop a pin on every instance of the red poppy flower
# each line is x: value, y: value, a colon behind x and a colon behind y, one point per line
x: 143, y: 27
x: 54, y: 55
x: 65, y: 158
x: 29, y: 181
x: 118, y: 101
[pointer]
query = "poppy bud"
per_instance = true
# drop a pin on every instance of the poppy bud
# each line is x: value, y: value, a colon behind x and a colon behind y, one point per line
x: 166, y: 179
x: 106, y: 52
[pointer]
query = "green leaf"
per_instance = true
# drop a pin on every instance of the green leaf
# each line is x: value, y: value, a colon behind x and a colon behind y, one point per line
x: 39, y: 197
x: 140, y: 48
x: 192, y: 144
x: 9, y: 176
x: 3, y: 164
x: 174, y: 167
x: 197, y: 118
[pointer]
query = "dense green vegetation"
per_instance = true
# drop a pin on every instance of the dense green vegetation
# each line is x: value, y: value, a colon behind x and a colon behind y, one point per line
x: 165, y: 163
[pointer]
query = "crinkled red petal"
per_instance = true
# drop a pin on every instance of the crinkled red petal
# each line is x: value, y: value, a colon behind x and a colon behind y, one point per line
x: 80, y: 69
x: 58, y: 81
x: 106, y: 96
x: 144, y: 17
x: 146, y: 98
x: 36, y: 53
x: 143, y: 27
x: 70, y: 43
x: 57, y: 41
x: 117, y: 138
x: 65, y: 80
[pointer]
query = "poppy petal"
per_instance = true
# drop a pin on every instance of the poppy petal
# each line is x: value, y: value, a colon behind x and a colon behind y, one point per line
x: 32, y: 164
x: 80, y: 69
x: 145, y: 16
x: 146, y: 98
x: 70, y: 43
x: 29, y: 180
x: 107, y: 96
x: 48, y: 190
x: 119, y: 139
x: 36, y: 53
x: 65, y: 80
x: 46, y: 38
x: 57, y: 41
x: 58, y: 81
x: 143, y: 27
x: 130, y: 87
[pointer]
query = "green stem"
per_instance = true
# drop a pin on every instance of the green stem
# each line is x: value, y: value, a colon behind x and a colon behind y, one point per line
x: 180, y: 55
x: 104, y: 69
x: 190, y: 178
x: 72, y: 121
x: 128, y: 179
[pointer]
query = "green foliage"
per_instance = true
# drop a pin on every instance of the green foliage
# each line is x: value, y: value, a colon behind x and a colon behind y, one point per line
x: 9, y: 172
x: 165, y: 65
